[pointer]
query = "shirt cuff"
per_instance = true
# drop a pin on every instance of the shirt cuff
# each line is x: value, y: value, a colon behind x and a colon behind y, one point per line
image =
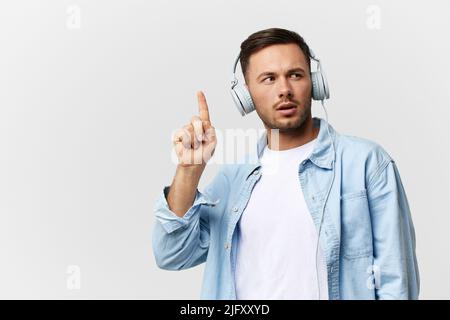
x: 169, y: 220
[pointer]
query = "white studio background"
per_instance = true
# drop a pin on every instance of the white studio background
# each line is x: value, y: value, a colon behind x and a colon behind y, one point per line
x: 91, y: 91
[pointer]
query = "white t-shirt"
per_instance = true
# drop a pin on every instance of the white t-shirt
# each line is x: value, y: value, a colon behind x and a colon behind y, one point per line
x: 276, y: 251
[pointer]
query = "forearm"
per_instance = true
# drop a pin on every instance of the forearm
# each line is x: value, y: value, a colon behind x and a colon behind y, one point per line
x: 182, y: 191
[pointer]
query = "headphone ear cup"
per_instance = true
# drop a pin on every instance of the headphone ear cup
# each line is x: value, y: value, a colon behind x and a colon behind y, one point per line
x: 326, y: 89
x: 237, y: 102
x: 242, y: 99
x: 317, y: 86
x: 320, y: 90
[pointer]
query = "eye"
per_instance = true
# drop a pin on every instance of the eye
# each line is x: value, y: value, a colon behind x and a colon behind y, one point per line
x: 270, y: 77
x: 299, y: 75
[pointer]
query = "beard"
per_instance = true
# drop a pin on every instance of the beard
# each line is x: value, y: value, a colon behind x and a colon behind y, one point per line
x: 286, y: 124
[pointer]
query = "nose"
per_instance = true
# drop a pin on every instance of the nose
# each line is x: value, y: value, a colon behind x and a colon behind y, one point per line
x: 285, y: 90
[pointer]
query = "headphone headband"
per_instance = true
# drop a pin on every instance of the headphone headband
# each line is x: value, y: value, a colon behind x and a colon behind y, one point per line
x: 234, y: 80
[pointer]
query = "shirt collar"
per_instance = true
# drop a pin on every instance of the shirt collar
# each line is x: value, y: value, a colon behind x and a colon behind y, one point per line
x: 322, y: 154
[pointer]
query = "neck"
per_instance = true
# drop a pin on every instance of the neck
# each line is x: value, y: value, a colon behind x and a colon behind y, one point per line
x: 288, y: 139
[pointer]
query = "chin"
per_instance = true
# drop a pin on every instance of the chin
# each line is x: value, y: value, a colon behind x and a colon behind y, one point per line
x: 293, y: 122
x: 287, y: 125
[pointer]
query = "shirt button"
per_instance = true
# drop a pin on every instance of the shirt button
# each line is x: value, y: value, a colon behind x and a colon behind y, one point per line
x: 256, y: 172
x: 331, y: 269
x: 227, y: 246
x: 235, y: 209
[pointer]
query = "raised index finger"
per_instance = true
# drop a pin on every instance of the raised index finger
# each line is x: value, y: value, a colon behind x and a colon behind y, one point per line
x: 202, y: 106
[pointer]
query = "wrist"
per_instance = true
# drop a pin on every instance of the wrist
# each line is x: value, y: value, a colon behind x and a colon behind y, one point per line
x: 191, y: 171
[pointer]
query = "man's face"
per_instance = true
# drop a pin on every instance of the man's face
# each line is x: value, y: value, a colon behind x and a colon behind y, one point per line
x: 279, y: 74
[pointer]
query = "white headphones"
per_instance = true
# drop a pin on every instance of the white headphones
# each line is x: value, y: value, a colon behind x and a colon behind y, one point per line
x: 243, y: 100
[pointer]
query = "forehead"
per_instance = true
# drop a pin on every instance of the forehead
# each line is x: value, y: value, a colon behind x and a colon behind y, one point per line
x: 277, y: 57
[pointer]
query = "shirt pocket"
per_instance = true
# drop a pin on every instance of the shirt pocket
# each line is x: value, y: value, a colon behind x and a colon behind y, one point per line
x: 356, y: 228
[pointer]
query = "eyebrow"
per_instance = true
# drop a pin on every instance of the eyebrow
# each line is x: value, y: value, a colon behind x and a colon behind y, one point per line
x: 267, y: 73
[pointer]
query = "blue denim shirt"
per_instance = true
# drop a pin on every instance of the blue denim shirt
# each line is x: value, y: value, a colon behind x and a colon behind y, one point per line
x: 367, y: 233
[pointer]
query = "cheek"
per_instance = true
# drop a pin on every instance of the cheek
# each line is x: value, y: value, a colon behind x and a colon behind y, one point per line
x: 304, y: 88
x: 260, y: 92
x: 262, y: 97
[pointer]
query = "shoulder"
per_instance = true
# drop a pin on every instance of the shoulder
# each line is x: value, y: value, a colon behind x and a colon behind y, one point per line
x: 362, y: 147
x: 356, y: 152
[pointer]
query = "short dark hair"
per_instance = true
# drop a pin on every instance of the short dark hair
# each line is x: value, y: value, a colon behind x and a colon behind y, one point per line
x: 264, y: 38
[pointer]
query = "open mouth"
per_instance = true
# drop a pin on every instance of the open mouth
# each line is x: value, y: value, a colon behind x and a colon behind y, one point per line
x: 287, y: 110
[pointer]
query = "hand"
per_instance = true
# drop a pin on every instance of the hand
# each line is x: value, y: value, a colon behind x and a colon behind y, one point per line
x: 195, y: 142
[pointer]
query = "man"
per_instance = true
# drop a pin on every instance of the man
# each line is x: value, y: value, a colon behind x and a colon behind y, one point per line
x: 313, y: 215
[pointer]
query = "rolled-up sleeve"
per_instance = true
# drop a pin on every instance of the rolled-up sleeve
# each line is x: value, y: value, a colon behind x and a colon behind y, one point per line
x: 394, y: 241
x: 169, y: 220
x: 182, y: 242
